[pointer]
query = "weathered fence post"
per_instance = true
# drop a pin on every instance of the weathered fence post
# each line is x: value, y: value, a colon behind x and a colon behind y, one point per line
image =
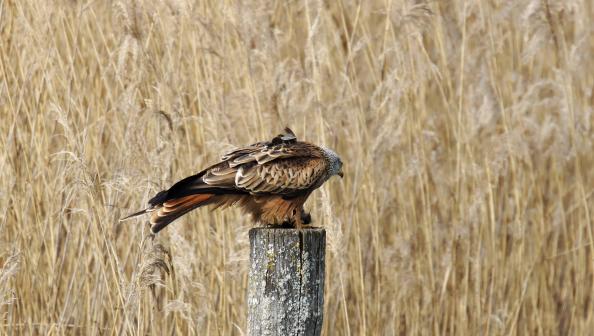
x: 286, y: 281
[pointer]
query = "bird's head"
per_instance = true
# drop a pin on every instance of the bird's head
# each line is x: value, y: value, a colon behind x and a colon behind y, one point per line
x: 334, y: 163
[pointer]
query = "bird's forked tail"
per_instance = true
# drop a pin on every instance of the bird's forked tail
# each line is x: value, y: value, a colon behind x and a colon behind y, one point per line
x: 164, y: 213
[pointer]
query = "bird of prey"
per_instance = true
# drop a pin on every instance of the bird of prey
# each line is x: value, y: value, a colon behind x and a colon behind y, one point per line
x: 269, y: 180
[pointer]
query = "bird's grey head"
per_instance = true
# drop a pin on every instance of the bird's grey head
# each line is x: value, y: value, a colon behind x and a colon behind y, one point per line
x: 335, y: 163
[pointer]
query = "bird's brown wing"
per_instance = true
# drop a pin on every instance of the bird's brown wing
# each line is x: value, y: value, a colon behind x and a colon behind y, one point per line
x: 283, y: 168
x: 284, y: 177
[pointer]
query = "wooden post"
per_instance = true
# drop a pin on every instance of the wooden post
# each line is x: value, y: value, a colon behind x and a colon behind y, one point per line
x: 286, y: 281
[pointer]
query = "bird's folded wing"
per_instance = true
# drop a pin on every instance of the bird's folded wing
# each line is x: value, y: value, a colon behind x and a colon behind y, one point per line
x: 282, y: 166
x: 281, y: 176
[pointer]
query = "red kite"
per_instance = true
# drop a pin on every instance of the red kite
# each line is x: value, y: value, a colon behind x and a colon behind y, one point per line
x: 269, y: 180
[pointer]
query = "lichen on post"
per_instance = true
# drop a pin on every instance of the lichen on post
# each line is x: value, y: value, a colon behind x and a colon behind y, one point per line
x: 286, y: 281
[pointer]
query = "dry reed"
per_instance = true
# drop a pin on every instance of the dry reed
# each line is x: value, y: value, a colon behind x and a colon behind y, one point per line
x: 465, y: 127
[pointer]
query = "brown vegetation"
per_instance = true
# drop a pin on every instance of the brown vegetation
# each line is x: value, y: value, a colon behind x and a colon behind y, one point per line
x: 465, y: 128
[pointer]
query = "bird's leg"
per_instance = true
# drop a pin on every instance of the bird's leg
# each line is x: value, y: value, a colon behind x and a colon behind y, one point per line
x: 297, y: 218
x: 298, y: 222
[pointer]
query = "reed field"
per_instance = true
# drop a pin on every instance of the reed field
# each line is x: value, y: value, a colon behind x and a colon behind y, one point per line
x: 465, y: 127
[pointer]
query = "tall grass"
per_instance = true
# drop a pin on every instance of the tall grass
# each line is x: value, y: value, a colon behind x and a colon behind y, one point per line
x: 465, y: 128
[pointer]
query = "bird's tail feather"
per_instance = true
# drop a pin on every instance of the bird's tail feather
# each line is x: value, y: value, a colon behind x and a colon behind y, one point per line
x: 136, y: 214
x: 174, y: 208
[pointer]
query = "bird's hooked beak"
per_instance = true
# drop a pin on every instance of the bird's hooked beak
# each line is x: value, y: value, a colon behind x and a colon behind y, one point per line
x: 340, y: 173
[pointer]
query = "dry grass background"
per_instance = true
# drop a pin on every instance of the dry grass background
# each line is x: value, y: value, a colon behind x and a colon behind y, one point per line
x: 466, y: 128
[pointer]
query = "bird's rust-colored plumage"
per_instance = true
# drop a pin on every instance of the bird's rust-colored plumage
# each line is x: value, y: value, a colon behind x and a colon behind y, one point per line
x: 269, y: 180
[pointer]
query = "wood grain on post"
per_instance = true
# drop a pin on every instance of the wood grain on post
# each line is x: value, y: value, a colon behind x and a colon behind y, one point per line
x: 286, y: 281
